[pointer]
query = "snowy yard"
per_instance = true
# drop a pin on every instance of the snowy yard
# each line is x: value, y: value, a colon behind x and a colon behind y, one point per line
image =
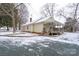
x: 66, y: 44
x: 17, y: 20
x: 17, y: 34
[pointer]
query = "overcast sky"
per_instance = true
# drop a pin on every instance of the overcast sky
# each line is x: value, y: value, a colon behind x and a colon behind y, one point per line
x: 35, y: 8
x: 37, y: 4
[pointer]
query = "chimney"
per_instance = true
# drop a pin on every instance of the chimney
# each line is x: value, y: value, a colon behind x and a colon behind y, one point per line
x: 30, y: 19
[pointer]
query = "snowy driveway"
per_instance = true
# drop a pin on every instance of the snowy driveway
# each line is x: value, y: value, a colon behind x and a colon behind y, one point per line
x: 34, y: 46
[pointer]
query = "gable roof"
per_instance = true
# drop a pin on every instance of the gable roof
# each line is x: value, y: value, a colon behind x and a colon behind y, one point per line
x: 47, y: 19
x: 44, y: 20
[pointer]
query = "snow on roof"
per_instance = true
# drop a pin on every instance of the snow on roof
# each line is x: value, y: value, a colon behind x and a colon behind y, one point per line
x: 43, y: 20
x: 46, y: 20
x: 29, y: 23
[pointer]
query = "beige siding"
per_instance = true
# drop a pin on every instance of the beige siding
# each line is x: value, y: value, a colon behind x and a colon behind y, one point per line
x: 30, y: 29
x: 38, y: 27
x: 33, y: 28
x: 23, y: 28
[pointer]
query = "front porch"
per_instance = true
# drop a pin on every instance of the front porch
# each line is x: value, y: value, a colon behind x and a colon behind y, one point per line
x: 52, y: 29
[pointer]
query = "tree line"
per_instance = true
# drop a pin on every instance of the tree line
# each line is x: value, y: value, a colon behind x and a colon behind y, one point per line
x: 10, y: 15
x: 15, y: 14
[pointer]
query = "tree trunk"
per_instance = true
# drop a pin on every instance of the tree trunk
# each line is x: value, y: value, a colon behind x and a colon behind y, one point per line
x: 14, y: 28
x: 13, y: 19
x: 7, y: 28
x: 19, y: 24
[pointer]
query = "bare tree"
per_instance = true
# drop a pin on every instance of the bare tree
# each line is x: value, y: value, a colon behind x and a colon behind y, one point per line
x: 9, y: 9
x: 61, y: 13
x: 70, y: 13
x: 23, y: 14
x: 48, y: 9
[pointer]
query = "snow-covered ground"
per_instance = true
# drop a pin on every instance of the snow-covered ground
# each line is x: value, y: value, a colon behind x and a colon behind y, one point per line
x: 10, y: 33
x: 65, y: 44
x: 68, y: 38
x: 5, y: 33
x: 25, y: 34
x: 72, y: 38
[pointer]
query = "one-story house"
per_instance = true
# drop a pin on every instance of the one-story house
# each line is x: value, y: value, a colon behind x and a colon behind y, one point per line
x: 43, y: 26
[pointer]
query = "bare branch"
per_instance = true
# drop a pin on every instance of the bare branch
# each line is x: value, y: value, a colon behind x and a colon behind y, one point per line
x: 6, y: 11
x: 18, y: 5
x: 75, y: 15
x: 47, y: 9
